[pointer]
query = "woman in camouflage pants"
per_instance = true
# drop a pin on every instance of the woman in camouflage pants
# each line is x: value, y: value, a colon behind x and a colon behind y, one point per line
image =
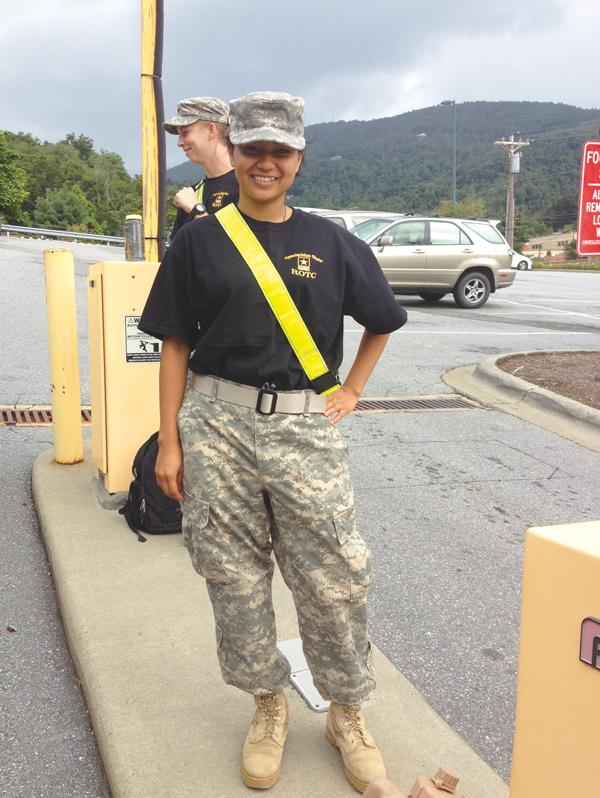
x: 252, y: 451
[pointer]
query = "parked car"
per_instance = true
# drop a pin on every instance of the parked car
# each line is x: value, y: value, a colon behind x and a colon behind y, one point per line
x: 349, y: 219
x: 432, y: 256
x: 521, y: 262
x: 367, y: 229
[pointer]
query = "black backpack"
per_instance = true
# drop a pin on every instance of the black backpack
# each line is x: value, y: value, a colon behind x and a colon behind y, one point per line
x: 147, y: 508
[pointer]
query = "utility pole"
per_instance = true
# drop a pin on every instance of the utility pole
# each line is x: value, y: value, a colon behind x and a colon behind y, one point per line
x: 453, y: 104
x: 514, y: 167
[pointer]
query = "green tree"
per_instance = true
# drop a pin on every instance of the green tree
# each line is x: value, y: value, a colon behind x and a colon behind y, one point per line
x: 66, y: 208
x: 570, y: 249
x: 469, y: 206
x: 562, y: 211
x: 48, y: 166
x: 113, y: 192
x: 171, y: 209
x: 83, y: 144
x: 13, y: 183
x: 527, y: 227
x: 102, y: 178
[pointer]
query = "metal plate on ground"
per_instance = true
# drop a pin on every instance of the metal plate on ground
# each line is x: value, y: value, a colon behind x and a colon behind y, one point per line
x: 301, y: 677
x: 41, y: 415
x: 34, y: 415
x: 416, y: 404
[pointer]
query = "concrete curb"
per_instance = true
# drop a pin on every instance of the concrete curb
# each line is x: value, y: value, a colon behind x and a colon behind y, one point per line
x: 140, y: 629
x: 487, y: 383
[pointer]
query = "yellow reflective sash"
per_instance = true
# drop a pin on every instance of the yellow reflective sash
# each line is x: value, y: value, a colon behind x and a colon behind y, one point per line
x: 276, y: 294
x: 200, y: 191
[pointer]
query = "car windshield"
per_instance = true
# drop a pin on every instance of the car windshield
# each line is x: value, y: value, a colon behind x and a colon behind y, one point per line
x: 368, y: 228
x: 486, y: 231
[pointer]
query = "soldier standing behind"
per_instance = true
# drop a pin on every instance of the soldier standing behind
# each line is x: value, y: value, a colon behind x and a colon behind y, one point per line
x: 266, y: 470
x: 202, y: 125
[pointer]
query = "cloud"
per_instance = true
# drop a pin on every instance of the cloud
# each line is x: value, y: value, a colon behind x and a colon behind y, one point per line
x: 70, y: 65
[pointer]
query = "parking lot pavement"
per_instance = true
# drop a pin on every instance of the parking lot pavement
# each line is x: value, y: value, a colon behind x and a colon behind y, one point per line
x: 25, y: 376
x: 444, y: 500
x: 447, y: 497
x: 566, y: 301
x: 47, y: 747
x: 539, y: 311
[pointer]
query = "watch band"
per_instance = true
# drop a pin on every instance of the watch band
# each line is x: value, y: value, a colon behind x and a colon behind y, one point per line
x: 197, y: 209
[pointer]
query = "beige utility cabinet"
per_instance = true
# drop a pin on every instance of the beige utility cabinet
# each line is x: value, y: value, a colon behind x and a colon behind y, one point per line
x: 124, y: 367
x: 556, y: 750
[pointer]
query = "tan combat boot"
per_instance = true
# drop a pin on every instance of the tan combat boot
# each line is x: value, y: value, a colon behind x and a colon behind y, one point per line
x: 263, y: 747
x: 346, y: 731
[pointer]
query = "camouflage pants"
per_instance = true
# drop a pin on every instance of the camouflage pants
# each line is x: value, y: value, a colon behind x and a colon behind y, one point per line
x: 256, y: 485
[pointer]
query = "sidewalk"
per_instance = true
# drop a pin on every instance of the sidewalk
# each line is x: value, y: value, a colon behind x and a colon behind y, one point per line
x: 140, y: 630
x: 485, y: 382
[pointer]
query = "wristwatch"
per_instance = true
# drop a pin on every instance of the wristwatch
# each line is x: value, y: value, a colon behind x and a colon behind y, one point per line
x: 197, y: 209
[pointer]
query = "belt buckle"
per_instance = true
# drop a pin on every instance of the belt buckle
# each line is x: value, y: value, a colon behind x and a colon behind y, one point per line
x: 266, y: 392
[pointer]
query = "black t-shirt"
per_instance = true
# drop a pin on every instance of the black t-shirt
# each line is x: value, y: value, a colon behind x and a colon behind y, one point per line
x: 205, y: 294
x: 217, y: 193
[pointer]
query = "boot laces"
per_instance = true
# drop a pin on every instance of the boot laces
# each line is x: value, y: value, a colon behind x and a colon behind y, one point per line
x: 269, y: 706
x: 354, y: 721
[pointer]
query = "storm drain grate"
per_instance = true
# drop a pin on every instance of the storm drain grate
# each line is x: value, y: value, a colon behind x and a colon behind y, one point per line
x: 40, y: 416
x: 416, y: 404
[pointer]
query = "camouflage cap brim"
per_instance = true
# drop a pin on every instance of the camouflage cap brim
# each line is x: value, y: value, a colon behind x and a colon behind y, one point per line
x: 268, y: 134
x: 172, y: 125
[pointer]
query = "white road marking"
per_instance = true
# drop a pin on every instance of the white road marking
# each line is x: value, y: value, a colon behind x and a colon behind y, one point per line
x: 552, y: 310
x: 501, y: 313
x: 476, y: 332
x: 568, y: 301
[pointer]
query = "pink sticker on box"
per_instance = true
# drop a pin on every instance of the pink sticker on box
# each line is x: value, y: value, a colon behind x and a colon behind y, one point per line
x: 589, y: 648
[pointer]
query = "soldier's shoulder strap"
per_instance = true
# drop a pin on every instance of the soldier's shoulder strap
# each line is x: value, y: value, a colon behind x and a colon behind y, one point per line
x: 279, y: 299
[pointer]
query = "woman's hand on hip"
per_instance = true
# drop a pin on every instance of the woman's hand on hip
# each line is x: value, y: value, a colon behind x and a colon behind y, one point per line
x: 169, y: 471
x: 340, y: 403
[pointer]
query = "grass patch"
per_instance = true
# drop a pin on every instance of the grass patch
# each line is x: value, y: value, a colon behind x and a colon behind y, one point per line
x: 570, y: 265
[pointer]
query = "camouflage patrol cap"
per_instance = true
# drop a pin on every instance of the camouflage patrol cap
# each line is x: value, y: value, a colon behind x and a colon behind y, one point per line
x: 194, y: 109
x: 267, y: 116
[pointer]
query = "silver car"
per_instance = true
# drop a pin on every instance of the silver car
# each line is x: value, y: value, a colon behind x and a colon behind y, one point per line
x: 349, y: 219
x: 431, y: 257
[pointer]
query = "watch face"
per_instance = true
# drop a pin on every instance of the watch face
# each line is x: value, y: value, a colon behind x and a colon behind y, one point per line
x: 198, y: 208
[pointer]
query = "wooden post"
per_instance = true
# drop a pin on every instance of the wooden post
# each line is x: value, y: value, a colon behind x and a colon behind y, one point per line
x: 153, y: 146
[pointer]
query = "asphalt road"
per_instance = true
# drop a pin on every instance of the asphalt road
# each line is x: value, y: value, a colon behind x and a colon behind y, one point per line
x: 444, y: 500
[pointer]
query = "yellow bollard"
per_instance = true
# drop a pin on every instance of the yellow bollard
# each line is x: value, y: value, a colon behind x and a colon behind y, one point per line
x: 59, y: 271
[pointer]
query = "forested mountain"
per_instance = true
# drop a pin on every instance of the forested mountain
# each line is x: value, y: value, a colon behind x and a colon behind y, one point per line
x: 67, y: 185
x: 404, y: 163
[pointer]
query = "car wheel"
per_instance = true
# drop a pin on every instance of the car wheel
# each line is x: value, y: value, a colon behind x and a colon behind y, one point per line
x: 522, y: 265
x: 431, y: 296
x: 472, y: 290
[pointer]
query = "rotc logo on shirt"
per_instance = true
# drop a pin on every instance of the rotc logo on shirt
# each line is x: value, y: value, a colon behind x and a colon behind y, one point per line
x: 303, y: 264
x: 218, y: 199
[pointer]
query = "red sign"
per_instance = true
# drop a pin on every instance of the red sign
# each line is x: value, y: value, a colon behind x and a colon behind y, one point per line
x: 588, y: 222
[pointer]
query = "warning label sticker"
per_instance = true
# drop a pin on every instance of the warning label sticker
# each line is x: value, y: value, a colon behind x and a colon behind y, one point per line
x: 139, y: 346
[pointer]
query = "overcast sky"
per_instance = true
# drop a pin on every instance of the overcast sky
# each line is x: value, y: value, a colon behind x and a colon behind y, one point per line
x: 73, y: 65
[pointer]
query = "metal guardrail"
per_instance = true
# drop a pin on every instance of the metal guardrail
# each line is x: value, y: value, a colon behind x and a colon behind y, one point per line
x: 43, y: 232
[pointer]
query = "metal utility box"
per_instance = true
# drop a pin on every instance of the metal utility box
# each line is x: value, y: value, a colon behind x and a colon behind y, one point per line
x: 124, y: 367
x: 558, y: 703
